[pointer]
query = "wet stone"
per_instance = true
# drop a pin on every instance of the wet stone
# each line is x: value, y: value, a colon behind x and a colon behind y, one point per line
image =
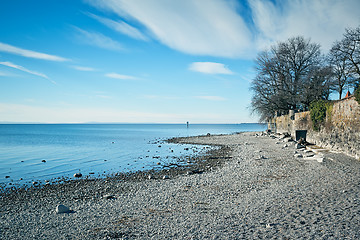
x: 77, y: 175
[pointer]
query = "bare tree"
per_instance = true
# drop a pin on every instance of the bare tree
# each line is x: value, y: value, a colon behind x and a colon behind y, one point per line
x: 341, y: 69
x: 348, y: 50
x: 283, y: 76
x: 319, y: 85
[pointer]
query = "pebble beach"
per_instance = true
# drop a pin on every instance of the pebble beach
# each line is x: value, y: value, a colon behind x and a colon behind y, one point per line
x: 251, y: 186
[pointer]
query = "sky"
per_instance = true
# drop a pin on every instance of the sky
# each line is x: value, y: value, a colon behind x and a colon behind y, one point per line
x: 148, y: 61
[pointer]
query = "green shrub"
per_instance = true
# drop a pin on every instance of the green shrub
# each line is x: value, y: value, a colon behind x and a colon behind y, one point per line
x: 357, y: 95
x: 319, y: 110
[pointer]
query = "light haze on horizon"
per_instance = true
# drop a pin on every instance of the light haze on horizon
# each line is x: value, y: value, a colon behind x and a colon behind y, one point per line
x: 148, y: 61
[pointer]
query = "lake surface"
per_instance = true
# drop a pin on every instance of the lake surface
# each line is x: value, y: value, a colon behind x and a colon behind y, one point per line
x: 38, y: 152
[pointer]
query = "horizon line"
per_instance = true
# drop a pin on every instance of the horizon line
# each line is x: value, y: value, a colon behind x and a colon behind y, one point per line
x: 49, y: 123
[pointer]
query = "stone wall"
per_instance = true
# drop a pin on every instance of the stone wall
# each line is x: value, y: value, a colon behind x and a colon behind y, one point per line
x: 340, y: 132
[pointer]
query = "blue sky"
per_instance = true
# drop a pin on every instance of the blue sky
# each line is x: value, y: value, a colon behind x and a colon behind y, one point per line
x: 147, y: 61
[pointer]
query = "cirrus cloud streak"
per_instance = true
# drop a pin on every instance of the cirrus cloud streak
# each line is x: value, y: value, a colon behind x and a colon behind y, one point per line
x: 121, y: 27
x: 97, y: 39
x: 23, y: 69
x: 30, y: 54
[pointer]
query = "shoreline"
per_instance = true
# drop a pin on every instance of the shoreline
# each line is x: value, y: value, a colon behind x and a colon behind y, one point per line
x: 251, y: 187
x: 200, y: 162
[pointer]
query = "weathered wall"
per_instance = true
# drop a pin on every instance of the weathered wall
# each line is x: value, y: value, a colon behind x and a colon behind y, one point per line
x: 341, y: 131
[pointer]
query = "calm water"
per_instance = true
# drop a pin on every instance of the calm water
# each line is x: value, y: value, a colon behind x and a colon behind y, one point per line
x: 93, y: 148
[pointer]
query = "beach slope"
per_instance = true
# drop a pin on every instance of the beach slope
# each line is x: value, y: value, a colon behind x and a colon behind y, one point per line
x: 263, y: 187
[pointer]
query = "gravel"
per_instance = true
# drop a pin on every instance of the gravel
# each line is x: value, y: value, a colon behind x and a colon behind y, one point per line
x: 249, y: 188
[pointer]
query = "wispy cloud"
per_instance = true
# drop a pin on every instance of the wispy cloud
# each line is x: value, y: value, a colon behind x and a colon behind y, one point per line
x: 211, y: 98
x: 322, y: 21
x: 120, y: 76
x: 121, y: 27
x: 30, y: 54
x: 217, y: 28
x: 12, y: 65
x: 97, y: 39
x: 209, y: 68
x: 211, y: 27
x: 85, y: 69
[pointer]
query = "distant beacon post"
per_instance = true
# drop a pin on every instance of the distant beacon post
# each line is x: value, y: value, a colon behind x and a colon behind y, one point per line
x: 187, y: 124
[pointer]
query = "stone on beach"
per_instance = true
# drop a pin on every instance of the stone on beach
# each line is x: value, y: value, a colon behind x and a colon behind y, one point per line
x: 261, y: 157
x: 319, y: 158
x: 166, y: 177
x: 62, y: 209
x: 108, y: 196
x: 299, y: 146
x: 309, y: 154
x: 77, y: 175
